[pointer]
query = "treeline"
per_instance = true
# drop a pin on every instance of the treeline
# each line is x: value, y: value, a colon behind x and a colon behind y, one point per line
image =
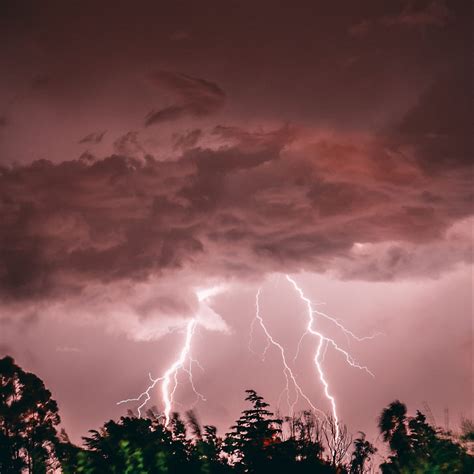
x: 259, y: 442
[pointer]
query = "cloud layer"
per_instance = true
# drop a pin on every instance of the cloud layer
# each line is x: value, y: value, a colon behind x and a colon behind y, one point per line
x: 370, y: 179
x: 285, y: 200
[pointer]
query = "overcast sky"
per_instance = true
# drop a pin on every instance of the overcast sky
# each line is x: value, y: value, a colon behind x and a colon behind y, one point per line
x: 152, y: 150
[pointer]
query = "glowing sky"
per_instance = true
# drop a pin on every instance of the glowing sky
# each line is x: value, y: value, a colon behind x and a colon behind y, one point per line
x: 150, y: 151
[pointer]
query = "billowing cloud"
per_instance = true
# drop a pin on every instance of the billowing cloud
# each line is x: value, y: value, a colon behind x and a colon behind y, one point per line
x: 370, y: 178
x: 195, y: 97
x: 262, y: 202
x: 365, y: 196
x: 387, y: 261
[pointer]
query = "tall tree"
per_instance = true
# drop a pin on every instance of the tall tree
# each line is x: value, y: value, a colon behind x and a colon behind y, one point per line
x: 393, y: 426
x: 28, y: 420
x: 252, y: 440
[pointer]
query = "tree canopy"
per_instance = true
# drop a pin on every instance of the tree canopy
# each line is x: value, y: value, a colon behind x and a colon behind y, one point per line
x: 259, y: 442
x: 28, y: 420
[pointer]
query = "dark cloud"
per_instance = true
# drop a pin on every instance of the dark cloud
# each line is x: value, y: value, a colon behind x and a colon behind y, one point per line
x: 336, y: 198
x: 269, y: 74
x: 93, y: 138
x: 372, y: 175
x: 439, y: 127
x: 196, y: 97
x: 266, y: 202
x: 371, y: 180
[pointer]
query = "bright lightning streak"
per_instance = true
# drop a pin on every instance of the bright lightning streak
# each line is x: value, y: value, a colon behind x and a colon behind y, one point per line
x: 319, y: 351
x: 322, y: 346
x: 346, y: 331
x: 173, y: 370
x: 309, y: 329
x: 167, y: 393
x: 287, y: 370
x: 169, y: 380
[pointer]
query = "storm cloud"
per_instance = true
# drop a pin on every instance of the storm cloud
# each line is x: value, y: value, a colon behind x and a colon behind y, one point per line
x: 196, y: 97
x: 327, y: 140
x: 263, y: 203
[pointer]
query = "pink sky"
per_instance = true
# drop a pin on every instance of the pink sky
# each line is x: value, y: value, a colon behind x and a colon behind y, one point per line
x: 147, y: 153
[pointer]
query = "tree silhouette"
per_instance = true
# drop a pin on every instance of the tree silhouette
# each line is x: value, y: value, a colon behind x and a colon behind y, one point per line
x: 68, y: 454
x: 467, y: 429
x: 146, y: 446
x: 417, y: 447
x: 207, y: 447
x: 302, y: 451
x: 258, y: 443
x: 133, y: 445
x: 251, y: 443
x: 338, y: 441
x: 28, y: 417
x: 363, y: 449
x: 305, y: 431
x: 393, y: 426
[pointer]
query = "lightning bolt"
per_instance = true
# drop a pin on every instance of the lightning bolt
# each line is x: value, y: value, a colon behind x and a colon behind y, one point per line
x: 184, y: 362
x: 323, y: 342
x: 322, y: 339
x: 169, y: 380
x: 288, y: 373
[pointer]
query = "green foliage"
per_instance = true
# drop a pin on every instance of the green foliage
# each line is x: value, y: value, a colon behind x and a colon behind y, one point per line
x: 134, y: 462
x: 146, y: 446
